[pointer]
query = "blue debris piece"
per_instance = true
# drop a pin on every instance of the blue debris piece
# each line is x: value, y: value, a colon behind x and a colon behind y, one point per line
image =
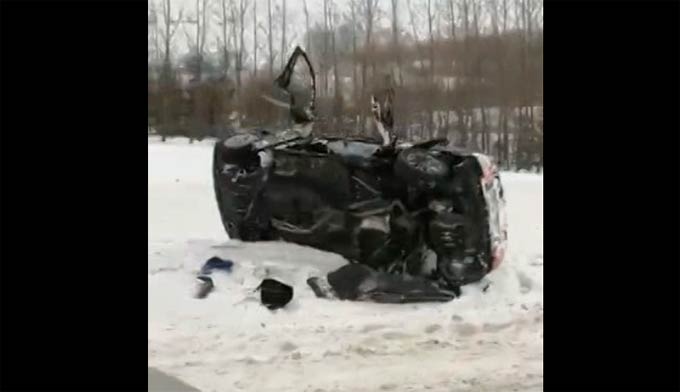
x: 215, y: 263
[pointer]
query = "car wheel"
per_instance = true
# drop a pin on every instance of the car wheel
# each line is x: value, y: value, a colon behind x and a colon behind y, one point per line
x: 230, y: 224
x: 417, y: 165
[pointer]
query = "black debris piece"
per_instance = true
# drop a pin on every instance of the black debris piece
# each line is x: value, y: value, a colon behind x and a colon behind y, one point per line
x: 205, y: 286
x: 274, y: 294
x: 360, y: 282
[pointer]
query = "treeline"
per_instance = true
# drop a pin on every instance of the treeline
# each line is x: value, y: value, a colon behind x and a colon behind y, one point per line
x: 470, y: 71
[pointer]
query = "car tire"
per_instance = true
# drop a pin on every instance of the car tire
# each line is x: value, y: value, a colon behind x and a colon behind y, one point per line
x: 230, y: 224
x: 256, y: 227
x: 416, y: 165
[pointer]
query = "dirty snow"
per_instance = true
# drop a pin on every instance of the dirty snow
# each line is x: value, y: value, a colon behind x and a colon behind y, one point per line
x: 489, y: 341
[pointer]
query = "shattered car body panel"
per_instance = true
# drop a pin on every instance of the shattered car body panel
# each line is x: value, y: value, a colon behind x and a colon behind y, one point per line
x: 385, y: 205
x: 495, y: 201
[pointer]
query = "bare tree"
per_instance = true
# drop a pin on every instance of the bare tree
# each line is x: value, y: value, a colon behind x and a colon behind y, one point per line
x: 270, y: 38
x: 414, y: 30
x: 499, y: 17
x: 452, y: 19
x: 430, y: 20
x: 170, y: 26
x: 330, y: 15
x: 201, y: 21
x: 461, y: 70
x: 370, y: 7
x: 283, y: 34
x: 452, y: 36
x: 167, y: 112
x: 440, y: 11
x: 222, y: 15
x: 308, y: 49
x: 238, y: 11
x: 395, y: 41
x: 520, y: 25
x: 152, y: 33
x: 432, y: 86
x: 323, y: 61
x: 353, y: 23
x: 255, y: 48
x: 233, y: 21
x: 477, y: 9
x: 153, y: 55
x: 532, y: 9
x: 242, y: 51
x: 413, y: 16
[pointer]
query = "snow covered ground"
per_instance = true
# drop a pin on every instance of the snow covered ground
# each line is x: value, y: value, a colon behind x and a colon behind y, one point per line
x: 489, y: 341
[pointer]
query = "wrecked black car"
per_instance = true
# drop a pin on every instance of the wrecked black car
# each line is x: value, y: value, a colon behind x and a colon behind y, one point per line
x: 423, y: 210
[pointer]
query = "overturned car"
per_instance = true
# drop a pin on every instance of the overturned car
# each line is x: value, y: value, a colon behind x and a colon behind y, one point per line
x: 423, y: 210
